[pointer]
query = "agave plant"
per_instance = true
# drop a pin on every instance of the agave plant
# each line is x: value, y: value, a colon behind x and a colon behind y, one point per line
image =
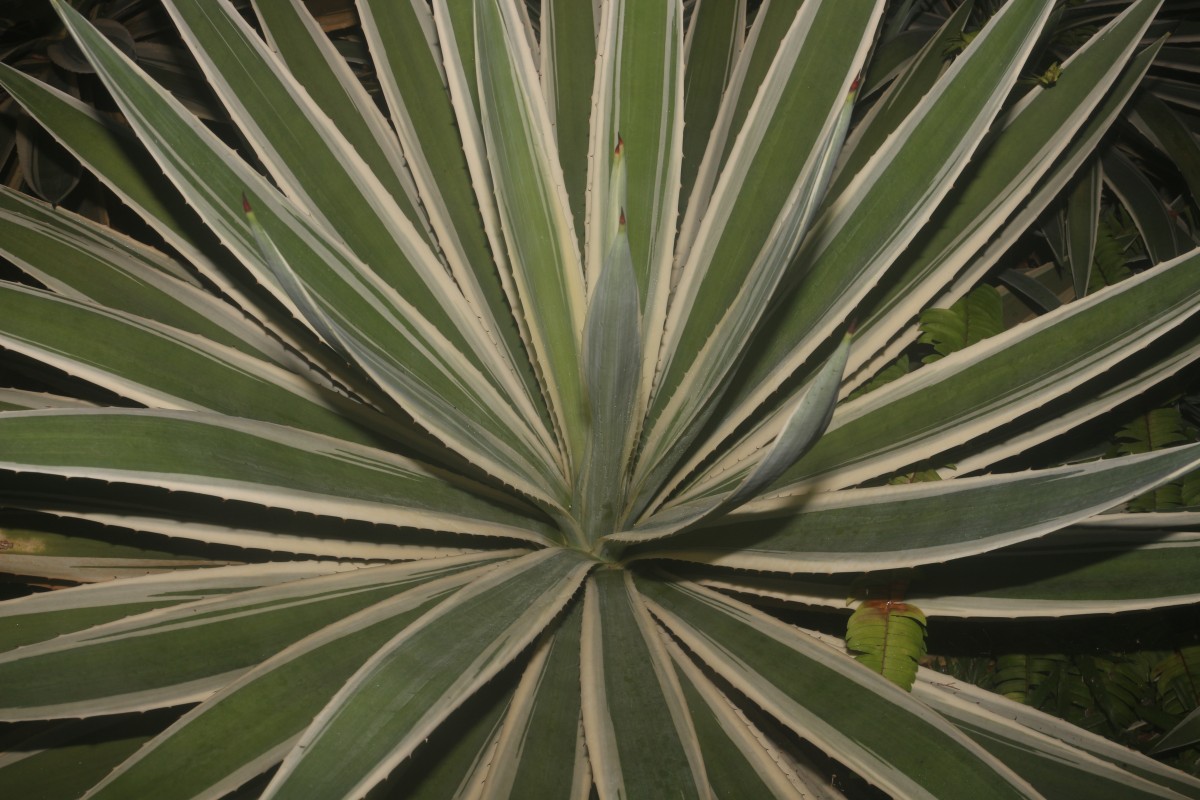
x: 459, y: 448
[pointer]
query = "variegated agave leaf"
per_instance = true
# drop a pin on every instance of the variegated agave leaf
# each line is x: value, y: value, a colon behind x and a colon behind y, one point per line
x: 451, y: 442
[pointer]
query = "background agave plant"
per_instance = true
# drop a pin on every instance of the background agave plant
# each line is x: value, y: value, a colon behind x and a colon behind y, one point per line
x: 458, y: 449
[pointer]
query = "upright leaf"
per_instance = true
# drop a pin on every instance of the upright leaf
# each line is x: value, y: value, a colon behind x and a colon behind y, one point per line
x: 612, y: 360
x: 536, y: 216
x: 568, y: 70
x: 638, y: 99
x: 862, y: 232
x: 781, y: 161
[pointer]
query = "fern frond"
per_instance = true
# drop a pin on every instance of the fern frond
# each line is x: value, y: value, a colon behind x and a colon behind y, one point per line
x: 888, y: 637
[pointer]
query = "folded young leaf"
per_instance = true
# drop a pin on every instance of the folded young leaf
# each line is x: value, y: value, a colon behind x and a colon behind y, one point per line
x: 637, y: 98
x: 741, y: 254
x: 807, y: 421
x: 612, y: 357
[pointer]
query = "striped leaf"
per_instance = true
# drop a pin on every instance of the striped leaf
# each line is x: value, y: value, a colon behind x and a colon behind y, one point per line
x: 540, y: 238
x: 268, y: 708
x: 540, y: 750
x: 1020, y: 368
x: 716, y: 309
x: 441, y: 660
x: 444, y: 336
x: 897, y: 526
x: 639, y: 736
x: 184, y: 652
x: 1060, y: 759
x: 125, y: 354
x: 269, y: 465
x: 805, y: 685
x: 373, y: 313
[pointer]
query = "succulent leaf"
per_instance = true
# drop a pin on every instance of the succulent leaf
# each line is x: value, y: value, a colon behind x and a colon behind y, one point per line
x: 467, y: 418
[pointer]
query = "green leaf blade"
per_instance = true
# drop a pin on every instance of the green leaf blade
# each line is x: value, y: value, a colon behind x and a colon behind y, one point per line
x: 888, y: 637
x: 542, y: 248
x: 266, y: 464
x: 899, y: 526
x: 833, y: 701
x: 406, y: 689
x: 253, y: 722
x: 640, y: 739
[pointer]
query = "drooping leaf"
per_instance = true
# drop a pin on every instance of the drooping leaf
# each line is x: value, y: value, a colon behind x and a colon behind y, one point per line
x: 806, y: 423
